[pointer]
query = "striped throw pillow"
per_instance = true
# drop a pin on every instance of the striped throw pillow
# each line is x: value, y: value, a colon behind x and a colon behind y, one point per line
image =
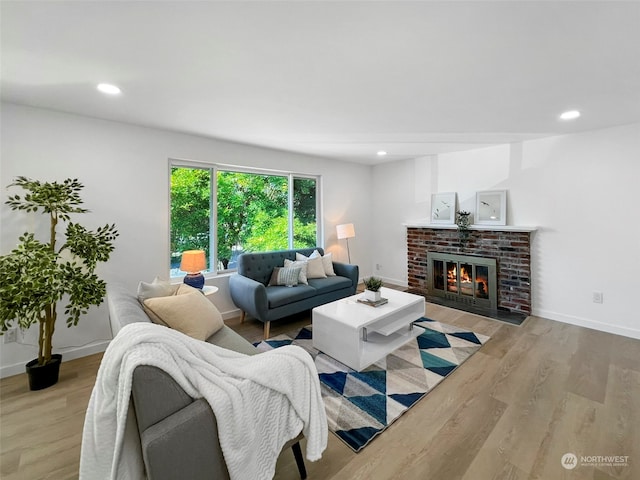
x: 285, y: 276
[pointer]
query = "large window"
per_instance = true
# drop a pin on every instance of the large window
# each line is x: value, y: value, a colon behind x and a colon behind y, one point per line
x: 228, y: 211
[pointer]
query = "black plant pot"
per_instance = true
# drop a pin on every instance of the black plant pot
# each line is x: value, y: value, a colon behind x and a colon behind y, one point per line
x: 43, y: 376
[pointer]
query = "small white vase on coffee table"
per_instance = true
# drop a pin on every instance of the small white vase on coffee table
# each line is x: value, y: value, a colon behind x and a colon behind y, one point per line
x: 372, y: 296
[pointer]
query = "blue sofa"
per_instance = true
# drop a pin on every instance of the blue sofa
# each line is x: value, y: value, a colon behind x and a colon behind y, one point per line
x: 251, y: 293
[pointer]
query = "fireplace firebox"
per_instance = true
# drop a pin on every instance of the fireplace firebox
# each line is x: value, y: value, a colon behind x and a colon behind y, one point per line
x: 462, y: 278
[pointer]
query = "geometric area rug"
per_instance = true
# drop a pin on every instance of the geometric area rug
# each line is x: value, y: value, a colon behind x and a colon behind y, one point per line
x: 361, y: 405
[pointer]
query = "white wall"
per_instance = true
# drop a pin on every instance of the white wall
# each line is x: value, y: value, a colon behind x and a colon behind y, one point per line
x: 125, y: 172
x: 580, y: 190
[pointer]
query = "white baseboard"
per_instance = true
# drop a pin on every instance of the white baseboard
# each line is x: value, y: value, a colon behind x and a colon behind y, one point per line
x: 72, y: 353
x: 587, y: 323
x: 67, y: 354
x: 394, y: 281
x: 231, y: 314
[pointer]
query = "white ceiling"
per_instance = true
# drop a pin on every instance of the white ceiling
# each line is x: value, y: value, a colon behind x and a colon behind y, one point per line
x: 334, y: 79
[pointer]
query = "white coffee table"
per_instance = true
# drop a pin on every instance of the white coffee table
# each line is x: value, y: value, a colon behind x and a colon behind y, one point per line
x: 359, y: 335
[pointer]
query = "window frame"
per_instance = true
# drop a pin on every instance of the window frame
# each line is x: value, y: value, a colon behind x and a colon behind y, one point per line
x: 214, y: 168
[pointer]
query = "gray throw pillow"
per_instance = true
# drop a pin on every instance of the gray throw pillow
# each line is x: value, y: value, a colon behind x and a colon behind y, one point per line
x: 285, y: 276
x: 302, y: 278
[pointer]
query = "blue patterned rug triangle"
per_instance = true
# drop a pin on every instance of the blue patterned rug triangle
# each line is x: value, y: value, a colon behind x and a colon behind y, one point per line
x: 361, y: 405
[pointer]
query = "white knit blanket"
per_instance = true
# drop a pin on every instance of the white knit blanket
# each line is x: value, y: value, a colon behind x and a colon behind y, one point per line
x: 261, y: 401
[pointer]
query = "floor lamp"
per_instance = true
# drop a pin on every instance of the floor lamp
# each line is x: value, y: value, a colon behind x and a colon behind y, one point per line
x: 346, y: 231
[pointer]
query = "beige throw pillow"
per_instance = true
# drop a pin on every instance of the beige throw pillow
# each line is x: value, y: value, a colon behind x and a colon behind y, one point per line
x: 189, y: 312
x: 315, y: 267
x: 327, y: 262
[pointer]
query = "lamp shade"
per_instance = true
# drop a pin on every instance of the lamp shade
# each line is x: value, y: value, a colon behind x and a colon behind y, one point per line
x: 193, y: 261
x: 345, y: 231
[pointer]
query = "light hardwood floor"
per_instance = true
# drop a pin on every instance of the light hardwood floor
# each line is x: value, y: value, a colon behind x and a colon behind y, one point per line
x: 530, y: 395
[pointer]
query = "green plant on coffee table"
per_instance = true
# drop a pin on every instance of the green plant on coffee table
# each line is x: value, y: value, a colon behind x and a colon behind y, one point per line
x: 36, y: 275
x: 373, y: 283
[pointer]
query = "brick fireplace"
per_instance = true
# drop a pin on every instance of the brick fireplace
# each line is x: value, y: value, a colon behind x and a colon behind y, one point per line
x: 509, y: 246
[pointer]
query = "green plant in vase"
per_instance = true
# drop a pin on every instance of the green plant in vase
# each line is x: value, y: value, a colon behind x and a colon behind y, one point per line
x: 372, y: 287
x: 37, y: 275
x: 463, y: 221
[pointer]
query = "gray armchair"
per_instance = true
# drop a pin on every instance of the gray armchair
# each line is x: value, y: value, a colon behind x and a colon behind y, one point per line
x: 178, y: 434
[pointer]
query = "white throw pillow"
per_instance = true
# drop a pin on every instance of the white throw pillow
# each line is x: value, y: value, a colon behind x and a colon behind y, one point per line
x: 189, y: 312
x: 315, y: 267
x: 303, y: 269
x: 157, y: 288
x: 327, y: 262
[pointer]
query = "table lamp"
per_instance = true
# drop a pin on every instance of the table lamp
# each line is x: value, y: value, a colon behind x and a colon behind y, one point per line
x: 193, y: 262
x: 346, y: 231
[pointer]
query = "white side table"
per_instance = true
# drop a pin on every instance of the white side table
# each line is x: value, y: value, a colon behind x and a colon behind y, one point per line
x: 209, y: 290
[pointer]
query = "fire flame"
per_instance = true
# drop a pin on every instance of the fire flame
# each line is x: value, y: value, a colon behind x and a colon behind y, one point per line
x: 465, y: 277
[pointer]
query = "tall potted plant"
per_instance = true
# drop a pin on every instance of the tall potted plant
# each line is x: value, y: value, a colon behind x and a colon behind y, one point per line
x: 37, y: 275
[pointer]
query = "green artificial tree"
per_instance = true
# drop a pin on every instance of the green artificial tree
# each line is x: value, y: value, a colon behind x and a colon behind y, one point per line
x: 37, y: 275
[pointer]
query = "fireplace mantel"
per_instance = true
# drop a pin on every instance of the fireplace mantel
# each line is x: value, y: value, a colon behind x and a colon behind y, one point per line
x: 492, y: 228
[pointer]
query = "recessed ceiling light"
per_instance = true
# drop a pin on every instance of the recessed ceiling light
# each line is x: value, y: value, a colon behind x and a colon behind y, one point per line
x: 382, y: 153
x: 108, y: 88
x: 570, y: 115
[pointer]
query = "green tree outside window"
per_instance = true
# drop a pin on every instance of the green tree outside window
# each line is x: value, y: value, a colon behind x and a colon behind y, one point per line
x: 252, y: 212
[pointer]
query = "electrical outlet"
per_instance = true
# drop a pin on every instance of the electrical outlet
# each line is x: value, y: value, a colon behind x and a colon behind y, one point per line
x: 378, y: 266
x: 10, y: 335
x: 597, y: 297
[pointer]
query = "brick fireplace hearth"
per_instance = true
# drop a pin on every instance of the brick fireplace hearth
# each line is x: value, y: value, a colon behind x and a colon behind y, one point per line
x: 509, y: 246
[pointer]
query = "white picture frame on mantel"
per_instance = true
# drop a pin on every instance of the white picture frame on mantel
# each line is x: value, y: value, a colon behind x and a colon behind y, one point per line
x: 491, y: 207
x: 443, y: 208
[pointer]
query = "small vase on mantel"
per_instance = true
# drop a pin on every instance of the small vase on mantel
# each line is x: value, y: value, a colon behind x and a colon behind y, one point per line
x: 463, y: 221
